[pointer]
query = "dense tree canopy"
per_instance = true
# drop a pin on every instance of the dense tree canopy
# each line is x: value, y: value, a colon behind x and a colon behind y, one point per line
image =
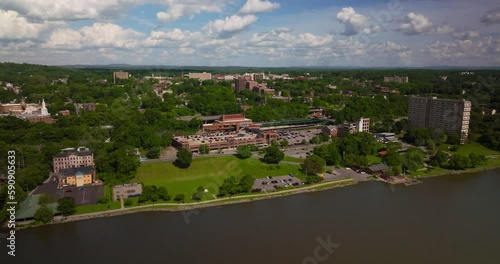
x: 66, y: 206
x: 314, y: 165
x: 184, y: 158
x: 273, y: 154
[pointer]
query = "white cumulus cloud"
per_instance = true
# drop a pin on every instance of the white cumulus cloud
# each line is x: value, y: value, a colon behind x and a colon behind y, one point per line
x: 99, y: 35
x: 484, y: 50
x: 15, y: 27
x: 68, y: 9
x: 180, y: 8
x: 230, y: 25
x: 415, y: 24
x: 257, y: 6
x: 356, y: 23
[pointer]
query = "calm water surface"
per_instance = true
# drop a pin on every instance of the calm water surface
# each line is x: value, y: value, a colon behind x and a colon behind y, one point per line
x: 452, y: 219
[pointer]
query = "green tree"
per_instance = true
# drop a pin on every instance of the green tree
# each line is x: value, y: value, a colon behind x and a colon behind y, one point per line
x: 244, y: 152
x: 246, y: 183
x: 393, y: 159
x: 128, y: 202
x: 204, y: 149
x: 356, y: 161
x: 413, y: 160
x: 153, y: 153
x: 284, y: 143
x: 315, y: 140
x: 229, y: 186
x: 197, y: 196
x: 476, y: 159
x: 66, y: 206
x: 184, y: 158
x: 313, y: 165
x: 273, y: 155
x: 43, y: 214
x: 440, y: 158
x: 460, y: 162
x: 163, y: 193
x: 179, y: 197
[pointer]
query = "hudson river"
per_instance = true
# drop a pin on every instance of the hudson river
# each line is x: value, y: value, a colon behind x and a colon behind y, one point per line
x: 451, y: 219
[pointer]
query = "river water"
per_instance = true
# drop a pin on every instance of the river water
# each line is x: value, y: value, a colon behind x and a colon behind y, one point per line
x: 450, y: 219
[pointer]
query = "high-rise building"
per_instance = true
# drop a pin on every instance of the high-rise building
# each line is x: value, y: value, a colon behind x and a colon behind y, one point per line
x: 447, y: 115
x: 239, y: 84
x: 363, y: 125
x: 120, y: 75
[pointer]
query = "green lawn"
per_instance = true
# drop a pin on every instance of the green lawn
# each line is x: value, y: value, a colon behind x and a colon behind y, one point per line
x: 207, y: 172
x: 97, y: 207
x: 476, y: 148
x: 470, y: 148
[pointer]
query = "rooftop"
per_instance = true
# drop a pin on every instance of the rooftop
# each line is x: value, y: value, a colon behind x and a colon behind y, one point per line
x: 81, y: 151
x: 74, y: 171
x: 220, y: 137
x: 28, y: 207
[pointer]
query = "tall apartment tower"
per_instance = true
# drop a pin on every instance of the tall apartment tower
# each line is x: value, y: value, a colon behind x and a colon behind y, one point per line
x: 447, y: 115
x: 363, y: 125
x: 240, y: 83
x: 120, y: 75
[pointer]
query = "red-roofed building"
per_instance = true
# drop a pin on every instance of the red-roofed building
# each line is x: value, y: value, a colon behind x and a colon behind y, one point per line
x: 232, y: 117
x: 382, y: 153
x: 233, y: 122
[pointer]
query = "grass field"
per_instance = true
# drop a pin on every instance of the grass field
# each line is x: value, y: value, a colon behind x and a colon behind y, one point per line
x: 476, y: 148
x: 470, y: 148
x: 206, y: 172
x: 97, y: 208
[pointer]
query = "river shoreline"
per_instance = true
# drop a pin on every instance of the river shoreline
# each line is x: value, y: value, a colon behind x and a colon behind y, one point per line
x: 169, y: 207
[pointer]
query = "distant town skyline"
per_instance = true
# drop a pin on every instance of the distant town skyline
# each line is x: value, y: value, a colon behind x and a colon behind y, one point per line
x: 263, y: 33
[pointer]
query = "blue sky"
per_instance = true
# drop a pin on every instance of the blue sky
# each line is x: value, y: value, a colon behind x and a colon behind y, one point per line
x: 264, y: 33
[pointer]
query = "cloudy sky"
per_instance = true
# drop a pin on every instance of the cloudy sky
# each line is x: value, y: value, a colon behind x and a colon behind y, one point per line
x: 252, y: 32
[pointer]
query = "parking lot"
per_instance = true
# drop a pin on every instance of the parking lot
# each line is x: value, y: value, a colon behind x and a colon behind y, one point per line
x: 84, y: 195
x: 271, y: 183
x: 296, y: 137
x: 344, y: 173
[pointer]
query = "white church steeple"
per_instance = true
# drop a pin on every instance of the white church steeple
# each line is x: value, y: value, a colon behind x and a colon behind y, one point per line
x: 44, y: 111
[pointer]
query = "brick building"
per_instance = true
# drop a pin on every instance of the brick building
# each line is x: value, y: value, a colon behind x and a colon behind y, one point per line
x: 73, y: 158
